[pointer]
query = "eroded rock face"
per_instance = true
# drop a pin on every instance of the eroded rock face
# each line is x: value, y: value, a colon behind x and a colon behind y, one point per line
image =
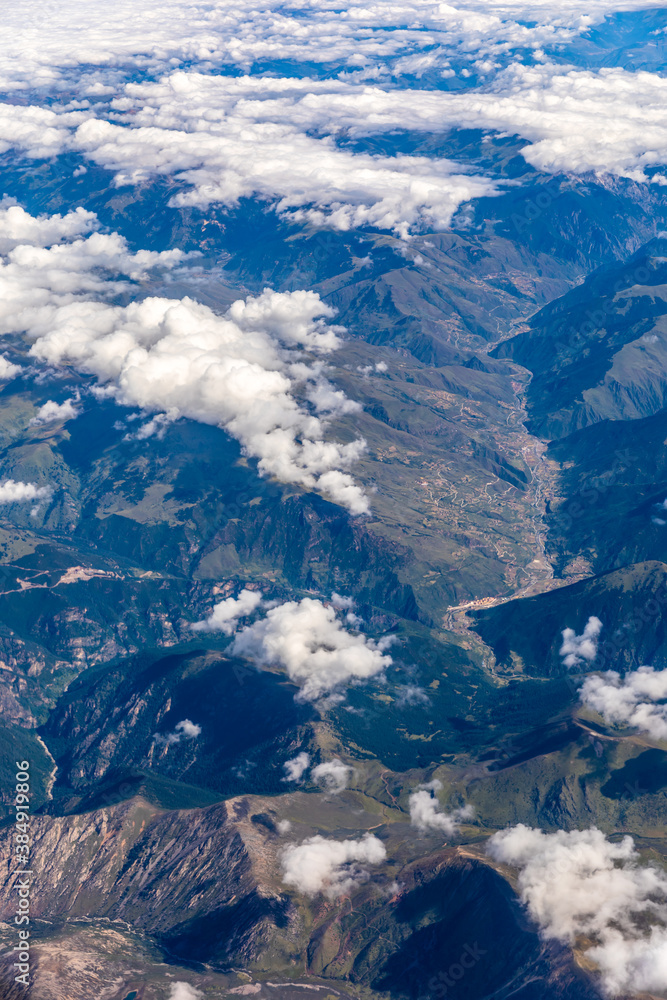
x: 165, y: 873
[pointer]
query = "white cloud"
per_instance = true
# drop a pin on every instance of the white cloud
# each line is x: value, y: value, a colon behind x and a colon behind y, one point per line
x: 412, y: 695
x: 19, y: 228
x: 52, y: 412
x: 309, y: 641
x: 184, y: 730
x: 425, y: 812
x: 637, y: 700
x: 188, y: 729
x: 44, y: 52
x: 244, y: 371
x: 226, y: 614
x: 37, y: 132
x: 184, y: 991
x: 297, y: 767
x: 342, y: 603
x: 333, y: 867
x: 580, y: 887
x: 226, y: 136
x: 223, y: 146
x: 276, y: 138
x: 230, y: 371
x: 612, y: 121
x: 7, y: 369
x: 12, y: 491
x: 333, y: 774
x: 580, y: 649
x: 56, y: 270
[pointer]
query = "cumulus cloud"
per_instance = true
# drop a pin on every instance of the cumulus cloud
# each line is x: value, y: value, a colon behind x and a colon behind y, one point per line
x: 297, y: 767
x: 308, y: 639
x: 37, y: 132
x: 257, y: 372
x: 333, y: 867
x: 580, y: 888
x: 333, y: 775
x: 7, y: 369
x: 19, y: 228
x: 12, y: 491
x: 52, y: 412
x: 639, y: 699
x: 226, y: 614
x: 184, y: 730
x: 184, y: 991
x: 577, y: 650
x: 57, y: 269
x: 426, y: 814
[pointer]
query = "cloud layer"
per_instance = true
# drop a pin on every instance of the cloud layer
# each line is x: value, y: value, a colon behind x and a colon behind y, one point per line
x: 225, y: 139
x: 308, y: 639
x: 639, y: 699
x: 333, y: 867
x: 580, y: 887
x: 42, y: 51
x: 152, y: 98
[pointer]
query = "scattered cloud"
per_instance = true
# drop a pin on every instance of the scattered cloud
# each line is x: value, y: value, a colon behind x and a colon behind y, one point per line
x: 342, y: 603
x: 308, y: 639
x: 639, y: 699
x: 184, y: 991
x: 577, y: 650
x: 225, y: 615
x: 184, y: 730
x: 12, y: 491
x: 52, y: 412
x: 333, y: 774
x: 412, y: 695
x: 297, y: 767
x: 333, y: 867
x: 580, y: 888
x: 7, y: 369
x: 426, y: 814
